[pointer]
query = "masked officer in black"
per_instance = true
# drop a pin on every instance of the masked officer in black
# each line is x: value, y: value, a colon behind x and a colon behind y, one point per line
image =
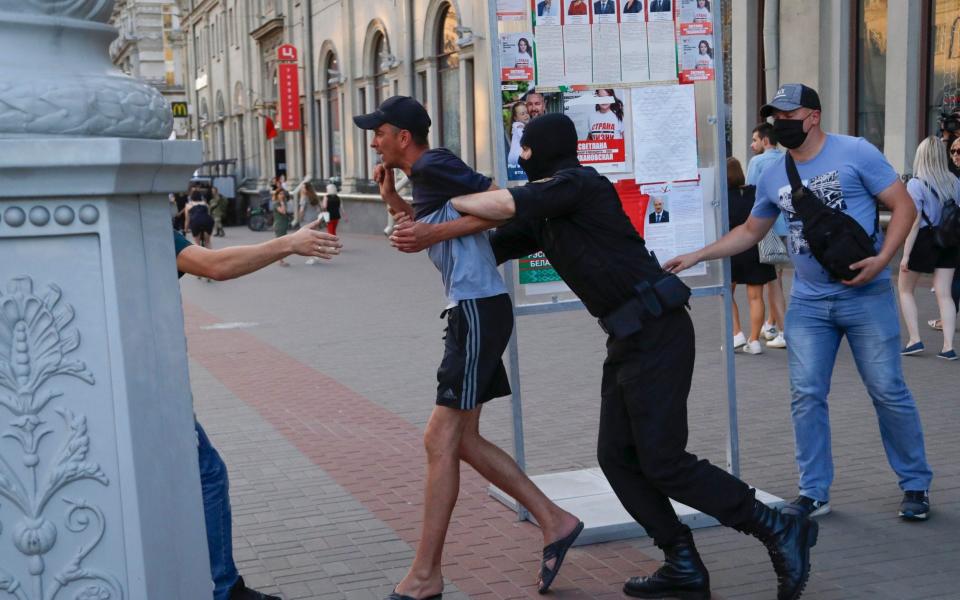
x: 574, y: 216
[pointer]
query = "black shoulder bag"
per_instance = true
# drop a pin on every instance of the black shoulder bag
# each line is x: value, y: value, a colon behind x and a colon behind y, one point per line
x: 835, y: 238
x: 947, y: 233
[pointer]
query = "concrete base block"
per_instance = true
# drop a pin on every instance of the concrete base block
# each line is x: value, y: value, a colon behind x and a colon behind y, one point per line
x: 587, y: 494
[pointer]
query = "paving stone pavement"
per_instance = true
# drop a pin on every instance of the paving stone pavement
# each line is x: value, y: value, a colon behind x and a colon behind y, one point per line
x: 318, y: 392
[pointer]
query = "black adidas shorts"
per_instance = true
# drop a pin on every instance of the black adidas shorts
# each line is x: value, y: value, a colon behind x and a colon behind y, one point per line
x: 472, y: 369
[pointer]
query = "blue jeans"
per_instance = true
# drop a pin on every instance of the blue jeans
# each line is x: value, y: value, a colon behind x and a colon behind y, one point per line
x: 868, y: 317
x: 216, y: 512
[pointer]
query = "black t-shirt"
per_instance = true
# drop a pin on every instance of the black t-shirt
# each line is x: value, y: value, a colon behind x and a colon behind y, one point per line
x: 577, y: 219
x: 439, y: 175
x: 333, y: 206
x: 179, y: 243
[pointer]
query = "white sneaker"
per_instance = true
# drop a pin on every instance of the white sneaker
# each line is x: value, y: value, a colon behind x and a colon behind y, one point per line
x: 753, y: 347
x: 769, y: 331
x: 739, y: 340
x: 777, y: 342
x: 311, y: 261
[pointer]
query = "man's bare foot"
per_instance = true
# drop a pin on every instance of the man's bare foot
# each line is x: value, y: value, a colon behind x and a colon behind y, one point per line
x: 420, y: 588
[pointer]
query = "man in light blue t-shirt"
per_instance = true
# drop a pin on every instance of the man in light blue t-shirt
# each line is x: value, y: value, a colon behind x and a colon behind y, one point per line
x: 479, y: 324
x: 851, y: 175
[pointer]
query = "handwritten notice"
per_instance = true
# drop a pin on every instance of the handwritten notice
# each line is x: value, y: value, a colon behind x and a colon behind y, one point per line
x: 664, y: 133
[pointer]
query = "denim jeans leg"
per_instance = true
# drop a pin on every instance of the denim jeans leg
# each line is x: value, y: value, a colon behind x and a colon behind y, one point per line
x: 812, y: 342
x: 216, y: 511
x: 873, y: 331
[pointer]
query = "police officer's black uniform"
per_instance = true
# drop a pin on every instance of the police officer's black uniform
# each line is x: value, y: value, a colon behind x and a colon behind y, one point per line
x: 574, y: 216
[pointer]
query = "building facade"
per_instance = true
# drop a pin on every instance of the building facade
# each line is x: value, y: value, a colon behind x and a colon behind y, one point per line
x: 884, y: 70
x: 352, y: 55
x: 150, y: 47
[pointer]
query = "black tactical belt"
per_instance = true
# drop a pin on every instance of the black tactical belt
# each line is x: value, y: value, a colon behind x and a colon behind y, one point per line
x: 649, y: 302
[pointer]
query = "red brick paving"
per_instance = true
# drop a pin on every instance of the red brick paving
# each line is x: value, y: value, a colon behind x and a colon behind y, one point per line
x: 378, y: 457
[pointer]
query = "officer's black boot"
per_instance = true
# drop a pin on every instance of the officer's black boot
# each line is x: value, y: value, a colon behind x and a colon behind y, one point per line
x: 788, y: 539
x: 681, y: 576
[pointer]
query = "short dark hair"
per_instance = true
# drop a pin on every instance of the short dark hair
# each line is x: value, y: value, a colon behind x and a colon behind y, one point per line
x: 765, y: 132
x: 419, y: 137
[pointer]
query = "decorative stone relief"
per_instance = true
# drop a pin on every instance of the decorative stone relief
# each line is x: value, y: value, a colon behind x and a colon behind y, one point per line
x: 35, y: 340
x: 39, y: 216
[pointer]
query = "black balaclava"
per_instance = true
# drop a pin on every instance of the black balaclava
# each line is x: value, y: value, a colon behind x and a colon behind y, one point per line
x: 553, y: 139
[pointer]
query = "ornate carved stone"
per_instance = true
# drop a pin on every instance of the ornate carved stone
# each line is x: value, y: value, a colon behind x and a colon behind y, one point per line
x: 35, y: 340
x: 56, y: 78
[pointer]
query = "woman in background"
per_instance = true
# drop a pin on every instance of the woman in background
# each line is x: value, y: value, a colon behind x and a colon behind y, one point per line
x: 746, y: 267
x: 932, y: 184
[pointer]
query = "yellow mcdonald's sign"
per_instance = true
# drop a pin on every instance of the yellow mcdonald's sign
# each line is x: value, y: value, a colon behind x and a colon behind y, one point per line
x: 179, y: 109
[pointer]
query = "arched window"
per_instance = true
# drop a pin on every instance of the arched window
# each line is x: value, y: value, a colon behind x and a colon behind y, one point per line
x: 382, y: 61
x: 335, y: 154
x: 448, y: 79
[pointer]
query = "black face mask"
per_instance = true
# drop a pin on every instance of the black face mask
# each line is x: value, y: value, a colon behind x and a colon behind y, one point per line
x: 553, y: 140
x: 790, y: 132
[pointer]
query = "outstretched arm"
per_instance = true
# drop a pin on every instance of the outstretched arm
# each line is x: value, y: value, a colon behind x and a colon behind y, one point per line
x: 235, y: 261
x: 736, y: 241
x: 411, y: 236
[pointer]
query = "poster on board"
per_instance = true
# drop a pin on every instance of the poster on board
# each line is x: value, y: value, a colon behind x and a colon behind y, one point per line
x: 577, y: 43
x: 606, y: 42
x: 600, y: 119
x: 664, y: 133
x: 660, y: 10
x: 516, y: 57
x: 522, y: 102
x: 674, y: 223
x: 511, y: 10
x: 695, y: 17
x: 696, y: 58
x: 547, y: 12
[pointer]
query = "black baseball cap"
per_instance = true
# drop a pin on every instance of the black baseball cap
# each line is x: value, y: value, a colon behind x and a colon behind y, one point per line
x: 791, y: 96
x: 400, y: 111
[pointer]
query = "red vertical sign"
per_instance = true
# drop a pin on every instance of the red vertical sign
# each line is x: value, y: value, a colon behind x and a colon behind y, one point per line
x: 289, y: 93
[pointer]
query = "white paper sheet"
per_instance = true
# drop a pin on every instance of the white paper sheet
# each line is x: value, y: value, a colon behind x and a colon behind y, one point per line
x: 664, y: 133
x: 549, y: 46
x: 606, y: 52
x: 662, y: 48
x: 633, y: 51
x: 577, y: 54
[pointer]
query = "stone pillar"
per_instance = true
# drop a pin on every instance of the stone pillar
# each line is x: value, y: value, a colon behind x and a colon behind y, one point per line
x: 99, y: 483
x: 746, y: 23
x: 901, y: 127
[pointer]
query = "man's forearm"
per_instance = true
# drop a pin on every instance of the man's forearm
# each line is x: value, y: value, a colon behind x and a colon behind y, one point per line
x: 496, y: 205
x: 739, y: 239
x: 397, y: 204
x: 901, y: 222
x: 465, y: 225
x: 233, y: 262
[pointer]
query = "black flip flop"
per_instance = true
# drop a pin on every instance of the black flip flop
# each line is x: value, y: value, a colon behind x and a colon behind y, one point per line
x: 395, y: 596
x: 556, y: 550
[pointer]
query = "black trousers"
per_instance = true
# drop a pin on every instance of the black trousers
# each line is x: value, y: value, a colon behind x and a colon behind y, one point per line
x: 643, y: 433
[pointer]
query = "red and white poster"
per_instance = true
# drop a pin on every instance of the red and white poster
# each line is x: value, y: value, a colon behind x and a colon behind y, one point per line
x: 288, y: 96
x: 696, y: 17
x: 696, y: 58
x: 516, y: 57
x: 511, y: 10
x: 600, y: 119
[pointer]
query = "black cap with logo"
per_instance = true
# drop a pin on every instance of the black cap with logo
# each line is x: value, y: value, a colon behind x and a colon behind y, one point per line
x: 400, y: 111
x: 791, y: 96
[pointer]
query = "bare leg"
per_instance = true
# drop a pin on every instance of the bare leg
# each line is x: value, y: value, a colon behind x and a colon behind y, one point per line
x: 908, y: 304
x: 736, y: 311
x: 442, y: 442
x: 777, y: 301
x: 755, y: 295
x: 942, y: 279
x: 501, y: 470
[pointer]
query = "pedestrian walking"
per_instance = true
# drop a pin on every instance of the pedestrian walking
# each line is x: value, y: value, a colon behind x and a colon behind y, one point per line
x: 282, y: 211
x: 745, y: 267
x: 847, y: 174
x: 764, y: 145
x: 218, y: 210
x: 950, y: 133
x: 198, y: 220
x: 309, y: 209
x: 574, y: 216
x: 333, y: 206
x: 479, y: 324
x: 223, y: 264
x: 931, y: 186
